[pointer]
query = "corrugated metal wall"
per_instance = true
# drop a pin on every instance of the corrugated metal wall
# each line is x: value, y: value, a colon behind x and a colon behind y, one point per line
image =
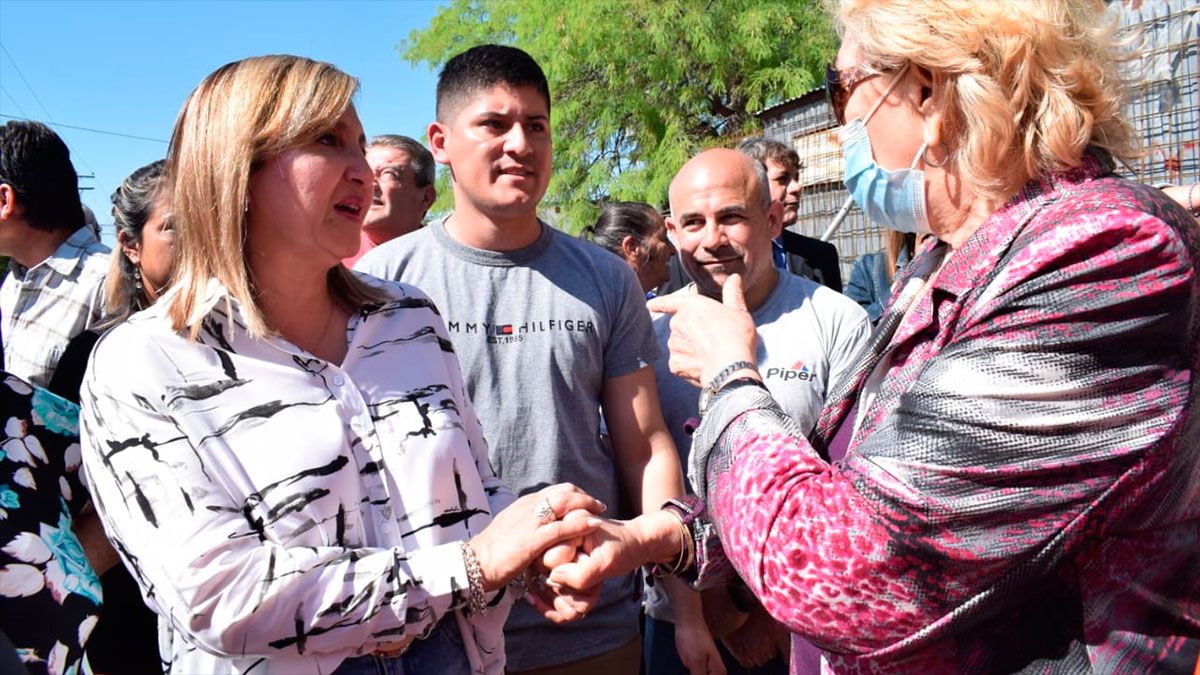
x: 1164, y: 106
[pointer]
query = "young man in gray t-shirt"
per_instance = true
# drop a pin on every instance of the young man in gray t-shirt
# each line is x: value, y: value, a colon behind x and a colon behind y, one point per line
x: 548, y: 329
x: 723, y: 220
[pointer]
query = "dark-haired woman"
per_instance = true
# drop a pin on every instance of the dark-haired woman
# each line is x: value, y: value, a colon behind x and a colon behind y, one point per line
x: 139, y: 271
x: 125, y: 639
x: 636, y: 232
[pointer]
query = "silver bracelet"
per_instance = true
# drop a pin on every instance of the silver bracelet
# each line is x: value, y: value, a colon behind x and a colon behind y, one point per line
x: 476, y: 597
x: 710, y: 390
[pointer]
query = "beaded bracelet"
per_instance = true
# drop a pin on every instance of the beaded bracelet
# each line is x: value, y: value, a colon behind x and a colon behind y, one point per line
x: 476, y: 597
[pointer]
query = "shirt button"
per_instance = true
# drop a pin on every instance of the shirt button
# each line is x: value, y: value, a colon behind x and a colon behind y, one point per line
x: 339, y: 381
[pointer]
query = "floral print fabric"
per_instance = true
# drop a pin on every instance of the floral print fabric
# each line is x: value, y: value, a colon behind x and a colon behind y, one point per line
x: 49, y: 596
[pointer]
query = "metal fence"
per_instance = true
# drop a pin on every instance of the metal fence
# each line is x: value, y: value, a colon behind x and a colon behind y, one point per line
x: 1165, y: 103
x: 1164, y: 106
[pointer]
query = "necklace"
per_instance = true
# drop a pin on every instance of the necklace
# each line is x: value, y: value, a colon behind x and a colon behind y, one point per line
x: 329, y: 321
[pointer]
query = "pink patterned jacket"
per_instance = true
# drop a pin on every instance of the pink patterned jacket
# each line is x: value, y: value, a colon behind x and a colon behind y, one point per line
x: 1023, y: 492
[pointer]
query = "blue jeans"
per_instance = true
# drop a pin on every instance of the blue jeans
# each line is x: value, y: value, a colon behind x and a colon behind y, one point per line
x: 442, y: 653
x: 661, y: 658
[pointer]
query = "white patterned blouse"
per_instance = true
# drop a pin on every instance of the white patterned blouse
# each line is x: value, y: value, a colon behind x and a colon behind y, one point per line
x: 282, y: 513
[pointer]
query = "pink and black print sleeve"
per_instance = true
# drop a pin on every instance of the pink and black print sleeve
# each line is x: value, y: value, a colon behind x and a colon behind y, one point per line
x: 1028, y: 445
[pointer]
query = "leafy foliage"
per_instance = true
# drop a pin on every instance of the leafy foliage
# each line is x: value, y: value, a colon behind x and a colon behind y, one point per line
x: 639, y: 86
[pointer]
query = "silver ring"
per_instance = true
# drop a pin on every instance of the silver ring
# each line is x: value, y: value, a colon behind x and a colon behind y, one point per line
x: 544, y: 512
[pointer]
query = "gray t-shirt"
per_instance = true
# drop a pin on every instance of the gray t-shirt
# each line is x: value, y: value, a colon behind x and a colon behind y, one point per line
x: 538, y: 331
x: 809, y: 337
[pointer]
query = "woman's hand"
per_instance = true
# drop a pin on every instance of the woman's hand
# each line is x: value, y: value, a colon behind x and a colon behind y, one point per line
x: 616, y: 547
x: 519, y: 534
x: 706, y: 335
x: 556, y: 602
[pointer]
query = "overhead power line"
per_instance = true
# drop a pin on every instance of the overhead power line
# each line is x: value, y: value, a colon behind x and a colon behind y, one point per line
x: 27, y: 85
x: 49, y: 117
x: 94, y: 131
x: 13, y: 101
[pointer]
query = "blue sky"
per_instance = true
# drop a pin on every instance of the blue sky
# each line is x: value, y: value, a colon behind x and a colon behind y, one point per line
x: 126, y: 67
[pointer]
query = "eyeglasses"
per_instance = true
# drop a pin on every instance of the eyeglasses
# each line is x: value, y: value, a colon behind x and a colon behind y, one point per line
x: 839, y: 84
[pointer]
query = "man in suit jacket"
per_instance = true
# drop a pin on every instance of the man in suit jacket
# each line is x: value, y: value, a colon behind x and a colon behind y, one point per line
x: 811, y: 258
x: 794, y: 252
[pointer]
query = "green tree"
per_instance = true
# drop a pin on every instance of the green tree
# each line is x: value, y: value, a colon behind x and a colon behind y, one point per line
x: 639, y: 86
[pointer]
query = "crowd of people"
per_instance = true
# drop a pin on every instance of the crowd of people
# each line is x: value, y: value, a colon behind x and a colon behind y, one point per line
x: 289, y: 426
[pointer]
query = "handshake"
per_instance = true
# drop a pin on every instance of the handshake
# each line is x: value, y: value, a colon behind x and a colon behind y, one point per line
x: 564, y: 549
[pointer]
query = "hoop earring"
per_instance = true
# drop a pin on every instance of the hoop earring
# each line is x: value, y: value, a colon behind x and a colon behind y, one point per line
x: 929, y: 162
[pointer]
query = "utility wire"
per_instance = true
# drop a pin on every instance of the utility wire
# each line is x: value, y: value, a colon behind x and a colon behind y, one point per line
x: 94, y: 131
x: 14, y: 101
x: 49, y: 117
x: 27, y: 85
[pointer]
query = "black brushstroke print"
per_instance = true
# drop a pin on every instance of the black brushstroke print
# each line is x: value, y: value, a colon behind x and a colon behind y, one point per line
x: 142, y: 502
x: 262, y: 411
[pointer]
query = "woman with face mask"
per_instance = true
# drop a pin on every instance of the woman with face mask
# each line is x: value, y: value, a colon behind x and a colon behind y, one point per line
x: 1008, y: 482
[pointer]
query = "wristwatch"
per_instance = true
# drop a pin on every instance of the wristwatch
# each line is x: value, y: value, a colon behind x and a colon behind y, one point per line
x: 709, y: 390
x: 687, y: 509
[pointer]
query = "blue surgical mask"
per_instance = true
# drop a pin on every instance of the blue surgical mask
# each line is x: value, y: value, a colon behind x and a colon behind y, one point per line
x: 894, y: 199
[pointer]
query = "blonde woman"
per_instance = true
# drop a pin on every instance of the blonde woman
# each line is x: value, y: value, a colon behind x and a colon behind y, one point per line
x: 292, y: 471
x: 1008, y: 483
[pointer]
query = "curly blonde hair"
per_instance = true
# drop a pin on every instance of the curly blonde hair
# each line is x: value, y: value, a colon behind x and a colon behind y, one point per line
x: 241, y: 115
x: 1030, y: 84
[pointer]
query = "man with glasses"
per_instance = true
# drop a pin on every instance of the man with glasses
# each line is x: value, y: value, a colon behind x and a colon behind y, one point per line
x: 404, y: 190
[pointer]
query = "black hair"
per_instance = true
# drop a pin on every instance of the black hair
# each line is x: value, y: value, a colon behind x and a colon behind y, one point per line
x: 136, y: 198
x: 420, y: 160
x: 133, y: 204
x: 484, y: 67
x: 624, y: 219
x: 37, y: 164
